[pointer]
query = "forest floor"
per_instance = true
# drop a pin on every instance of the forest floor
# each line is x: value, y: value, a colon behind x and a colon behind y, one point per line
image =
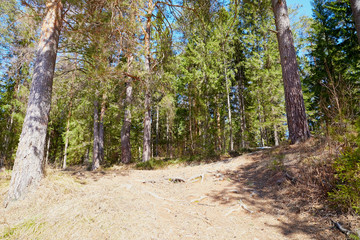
x: 262, y: 195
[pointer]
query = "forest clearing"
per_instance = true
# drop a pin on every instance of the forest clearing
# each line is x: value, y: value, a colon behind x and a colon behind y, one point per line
x: 245, y: 197
x: 174, y: 119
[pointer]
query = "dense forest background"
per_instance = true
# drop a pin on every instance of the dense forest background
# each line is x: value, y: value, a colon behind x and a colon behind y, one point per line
x: 190, y: 79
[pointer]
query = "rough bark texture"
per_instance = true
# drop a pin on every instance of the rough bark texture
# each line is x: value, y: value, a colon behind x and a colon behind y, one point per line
x: 295, y: 108
x: 147, y: 118
x: 125, y: 130
x: 355, y: 7
x: 96, y: 160
x: 28, y: 167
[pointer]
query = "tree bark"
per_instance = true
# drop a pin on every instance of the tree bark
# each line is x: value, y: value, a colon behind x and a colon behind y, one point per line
x: 295, y: 107
x: 86, y: 156
x: 28, y: 167
x: 125, y: 130
x: 276, y: 137
x: 218, y: 127
x: 47, y: 152
x: 167, y: 136
x: 101, y: 128
x: 147, y: 118
x: 66, y: 140
x: 355, y: 7
x: 96, y: 160
x: 242, y: 107
x: 157, y: 132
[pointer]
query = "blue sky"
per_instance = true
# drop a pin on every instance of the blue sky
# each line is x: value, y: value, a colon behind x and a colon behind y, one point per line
x: 306, y: 6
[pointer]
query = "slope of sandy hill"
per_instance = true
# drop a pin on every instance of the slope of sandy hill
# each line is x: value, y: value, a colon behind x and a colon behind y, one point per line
x: 246, y: 197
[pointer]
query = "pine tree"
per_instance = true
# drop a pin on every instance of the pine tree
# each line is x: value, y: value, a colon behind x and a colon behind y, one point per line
x: 295, y: 107
x: 28, y: 167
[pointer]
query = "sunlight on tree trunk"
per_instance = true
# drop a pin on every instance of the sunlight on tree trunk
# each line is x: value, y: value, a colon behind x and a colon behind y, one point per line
x: 147, y: 118
x: 28, y: 167
x: 295, y: 108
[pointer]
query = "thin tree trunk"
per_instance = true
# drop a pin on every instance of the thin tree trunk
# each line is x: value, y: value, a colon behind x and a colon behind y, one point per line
x: 101, y: 128
x: 5, y: 153
x: 261, y: 122
x: 355, y: 7
x: 218, y: 127
x: 242, y: 108
x: 66, y: 139
x: 276, y: 137
x: 275, y: 126
x: 125, y: 130
x: 86, y: 157
x: 190, y: 127
x: 157, y: 132
x: 295, y: 107
x: 126, y: 127
x: 147, y: 117
x: 228, y: 103
x: 28, y: 166
x: 96, y: 160
x: 167, y: 137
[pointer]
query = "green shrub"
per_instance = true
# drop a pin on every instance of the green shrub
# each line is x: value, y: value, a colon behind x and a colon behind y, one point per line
x: 346, y: 195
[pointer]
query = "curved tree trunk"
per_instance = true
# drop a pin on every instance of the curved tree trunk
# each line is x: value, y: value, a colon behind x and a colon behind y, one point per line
x: 295, y: 107
x: 355, y: 7
x: 28, y: 167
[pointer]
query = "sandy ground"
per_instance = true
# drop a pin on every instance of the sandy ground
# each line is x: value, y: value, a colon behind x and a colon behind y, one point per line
x: 220, y: 200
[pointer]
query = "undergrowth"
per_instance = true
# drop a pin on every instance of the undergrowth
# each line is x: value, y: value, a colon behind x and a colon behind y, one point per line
x: 347, y: 175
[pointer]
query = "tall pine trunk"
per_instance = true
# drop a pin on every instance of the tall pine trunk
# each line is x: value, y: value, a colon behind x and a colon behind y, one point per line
x: 147, y: 118
x: 295, y: 107
x: 355, y: 7
x: 28, y: 166
x: 96, y: 160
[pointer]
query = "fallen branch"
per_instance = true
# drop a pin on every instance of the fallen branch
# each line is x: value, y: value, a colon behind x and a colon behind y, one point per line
x: 148, y: 181
x: 231, y: 211
x: 161, y: 198
x: 244, y: 206
x: 197, y: 178
x: 342, y: 229
x: 233, y: 191
x: 199, y: 199
x: 176, y: 180
x: 293, y: 180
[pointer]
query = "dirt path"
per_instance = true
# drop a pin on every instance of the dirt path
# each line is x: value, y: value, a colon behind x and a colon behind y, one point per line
x: 227, y: 202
